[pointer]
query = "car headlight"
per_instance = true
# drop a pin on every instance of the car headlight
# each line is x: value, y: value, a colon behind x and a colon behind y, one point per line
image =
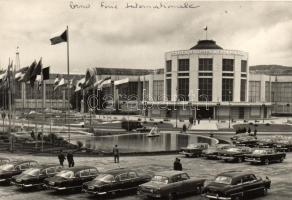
x: 51, y: 183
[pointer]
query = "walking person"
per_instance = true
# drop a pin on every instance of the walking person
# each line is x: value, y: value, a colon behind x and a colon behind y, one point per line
x: 70, y: 159
x: 177, y: 165
x: 61, y: 158
x: 255, y: 132
x: 116, y: 154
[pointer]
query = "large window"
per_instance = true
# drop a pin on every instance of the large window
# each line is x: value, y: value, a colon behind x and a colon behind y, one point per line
x: 183, y: 89
x: 168, y: 66
x: 146, y: 90
x: 205, y: 64
x: 254, y: 91
x: 183, y: 65
x: 243, y: 65
x: 242, y: 90
x: 228, y: 65
x: 205, y: 89
x: 158, y: 90
x: 168, y: 89
x: 227, y: 89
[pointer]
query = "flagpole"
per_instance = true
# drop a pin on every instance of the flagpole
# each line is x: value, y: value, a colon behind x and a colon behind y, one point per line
x: 9, y: 108
x: 68, y: 71
x: 43, y: 104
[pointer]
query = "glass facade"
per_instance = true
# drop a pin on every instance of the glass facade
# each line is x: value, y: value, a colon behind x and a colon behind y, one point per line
x: 227, y: 89
x: 281, y: 92
x: 168, y: 66
x: 168, y: 89
x: 243, y: 90
x: 205, y: 64
x: 158, y: 90
x: 183, y: 89
x: 228, y: 65
x: 254, y: 91
x: 243, y: 66
x: 146, y: 90
x: 183, y: 65
x: 205, y: 89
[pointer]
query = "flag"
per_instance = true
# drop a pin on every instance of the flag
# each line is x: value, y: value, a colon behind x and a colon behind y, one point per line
x: 37, y: 71
x: 60, y: 83
x: 90, y: 78
x: 20, y: 73
x: 56, y: 81
x: 29, y: 72
x: 7, y: 75
x: 39, y: 81
x: 46, y: 73
x: 58, y: 38
x: 122, y: 81
x: 104, y: 82
x: 79, y: 84
x: 206, y: 28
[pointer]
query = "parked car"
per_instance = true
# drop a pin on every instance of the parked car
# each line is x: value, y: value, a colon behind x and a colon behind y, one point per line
x: 213, y: 152
x: 7, y: 171
x: 236, y: 185
x: 34, y: 177
x: 170, y: 184
x: 245, y: 140
x: 283, y: 146
x: 235, y: 154
x: 116, y: 180
x: 4, y: 161
x: 71, y: 178
x: 194, y: 150
x: 265, y: 156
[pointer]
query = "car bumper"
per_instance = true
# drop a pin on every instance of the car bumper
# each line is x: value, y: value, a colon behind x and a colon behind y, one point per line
x: 217, y: 197
x: 25, y: 185
x: 149, y: 194
x: 94, y: 192
x: 3, y: 180
x: 252, y: 160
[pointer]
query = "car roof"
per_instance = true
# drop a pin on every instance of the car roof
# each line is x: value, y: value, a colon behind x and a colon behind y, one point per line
x: 234, y: 174
x: 118, y: 171
x: 79, y: 168
x: 18, y: 162
x: 44, y: 166
x: 169, y: 173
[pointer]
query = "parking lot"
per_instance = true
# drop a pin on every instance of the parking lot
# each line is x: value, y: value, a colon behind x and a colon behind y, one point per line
x: 279, y: 173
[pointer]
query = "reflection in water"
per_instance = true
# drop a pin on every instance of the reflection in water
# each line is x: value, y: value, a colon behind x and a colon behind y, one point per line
x: 142, y: 143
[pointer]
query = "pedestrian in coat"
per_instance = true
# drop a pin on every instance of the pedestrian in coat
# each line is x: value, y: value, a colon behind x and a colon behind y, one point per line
x: 61, y: 158
x: 177, y: 165
x: 116, y: 154
x: 70, y: 159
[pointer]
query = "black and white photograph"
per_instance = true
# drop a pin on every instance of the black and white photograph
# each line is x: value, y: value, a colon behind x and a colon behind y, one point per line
x: 145, y: 99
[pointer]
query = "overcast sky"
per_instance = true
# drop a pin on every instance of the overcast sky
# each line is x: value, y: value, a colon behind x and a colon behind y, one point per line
x: 138, y: 38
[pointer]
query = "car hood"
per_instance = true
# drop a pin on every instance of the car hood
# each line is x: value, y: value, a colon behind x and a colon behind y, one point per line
x: 153, y: 184
x: 218, y: 186
x: 3, y: 172
x: 25, y: 177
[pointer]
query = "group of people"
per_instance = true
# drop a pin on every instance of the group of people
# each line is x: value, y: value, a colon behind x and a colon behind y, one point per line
x: 70, y: 158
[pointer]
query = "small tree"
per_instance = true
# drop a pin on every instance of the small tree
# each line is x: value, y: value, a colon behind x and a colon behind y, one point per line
x: 184, y: 128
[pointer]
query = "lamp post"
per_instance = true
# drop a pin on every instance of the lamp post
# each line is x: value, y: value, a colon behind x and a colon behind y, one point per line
x: 288, y: 105
x: 263, y: 113
x: 176, y: 99
x: 3, y: 115
x: 229, y: 99
x: 218, y: 105
x: 144, y: 103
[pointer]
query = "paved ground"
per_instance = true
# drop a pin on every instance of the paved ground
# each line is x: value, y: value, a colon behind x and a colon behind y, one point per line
x: 280, y: 174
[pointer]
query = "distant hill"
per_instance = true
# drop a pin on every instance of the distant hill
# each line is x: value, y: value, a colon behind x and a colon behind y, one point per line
x: 271, y: 69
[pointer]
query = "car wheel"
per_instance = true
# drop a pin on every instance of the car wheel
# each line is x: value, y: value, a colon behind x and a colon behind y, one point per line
x: 171, y: 196
x: 281, y: 159
x: 265, y: 191
x: 267, y: 161
x: 240, y: 160
x: 199, y: 190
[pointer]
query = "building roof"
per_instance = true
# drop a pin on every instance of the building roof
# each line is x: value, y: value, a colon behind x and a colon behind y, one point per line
x: 122, y: 71
x: 206, y: 44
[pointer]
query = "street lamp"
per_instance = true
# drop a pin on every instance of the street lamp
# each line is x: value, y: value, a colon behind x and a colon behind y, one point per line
x: 229, y: 99
x: 218, y: 105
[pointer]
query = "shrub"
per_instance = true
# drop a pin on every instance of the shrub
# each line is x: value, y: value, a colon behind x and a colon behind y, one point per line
x: 130, y: 125
x: 79, y: 144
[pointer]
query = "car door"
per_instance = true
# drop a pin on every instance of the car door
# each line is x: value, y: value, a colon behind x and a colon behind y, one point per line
x: 176, y: 184
x: 134, y: 180
x: 50, y: 171
x: 84, y: 176
x: 252, y: 186
x: 124, y: 181
x: 186, y: 183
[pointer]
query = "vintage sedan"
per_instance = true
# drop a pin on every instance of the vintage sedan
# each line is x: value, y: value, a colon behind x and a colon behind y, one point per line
x: 235, y: 154
x: 34, y: 177
x: 265, y: 156
x: 194, y: 150
x: 7, y: 171
x: 116, y: 180
x: 236, y: 185
x: 71, y: 178
x: 4, y: 161
x: 170, y: 184
x: 212, y: 153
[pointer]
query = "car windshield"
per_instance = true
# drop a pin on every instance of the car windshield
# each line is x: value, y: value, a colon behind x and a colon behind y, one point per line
x: 233, y: 150
x: 7, y: 167
x: 105, y: 178
x: 32, y: 172
x: 66, y: 174
x: 223, y: 179
x: 161, y: 179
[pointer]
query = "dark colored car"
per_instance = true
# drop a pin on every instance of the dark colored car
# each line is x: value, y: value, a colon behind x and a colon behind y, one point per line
x: 265, y: 156
x: 235, y: 154
x: 194, y: 150
x: 236, y: 185
x: 246, y: 140
x: 212, y: 153
x: 34, y: 177
x: 7, y: 171
x: 71, y: 178
x: 4, y: 161
x: 170, y: 184
x: 116, y: 180
x: 283, y: 146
